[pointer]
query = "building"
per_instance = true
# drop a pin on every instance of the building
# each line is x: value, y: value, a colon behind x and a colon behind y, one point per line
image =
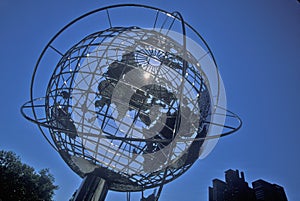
x: 217, y: 192
x: 235, y: 188
x: 268, y: 192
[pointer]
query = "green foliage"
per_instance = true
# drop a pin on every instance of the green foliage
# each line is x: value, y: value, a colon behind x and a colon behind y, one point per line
x: 20, y: 182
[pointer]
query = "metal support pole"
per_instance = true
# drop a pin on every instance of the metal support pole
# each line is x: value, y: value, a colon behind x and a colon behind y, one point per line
x: 93, y: 188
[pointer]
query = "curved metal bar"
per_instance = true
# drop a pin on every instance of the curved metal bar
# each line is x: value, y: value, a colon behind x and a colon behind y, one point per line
x: 46, y: 124
x: 34, y: 120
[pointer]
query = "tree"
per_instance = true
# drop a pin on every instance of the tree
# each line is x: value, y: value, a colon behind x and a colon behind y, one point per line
x: 20, y: 182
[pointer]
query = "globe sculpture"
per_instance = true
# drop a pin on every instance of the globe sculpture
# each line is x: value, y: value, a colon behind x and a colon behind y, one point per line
x: 133, y: 98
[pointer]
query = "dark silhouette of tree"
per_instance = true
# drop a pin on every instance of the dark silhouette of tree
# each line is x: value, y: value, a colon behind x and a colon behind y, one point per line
x: 20, y: 182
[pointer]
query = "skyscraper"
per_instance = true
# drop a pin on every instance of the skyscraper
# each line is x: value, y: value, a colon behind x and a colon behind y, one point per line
x: 218, y: 191
x: 268, y: 192
x: 235, y: 188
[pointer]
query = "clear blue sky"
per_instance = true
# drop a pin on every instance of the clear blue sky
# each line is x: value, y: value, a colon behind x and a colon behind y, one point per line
x: 257, y: 47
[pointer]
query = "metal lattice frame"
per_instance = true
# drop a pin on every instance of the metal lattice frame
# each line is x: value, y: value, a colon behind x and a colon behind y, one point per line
x: 56, y: 111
